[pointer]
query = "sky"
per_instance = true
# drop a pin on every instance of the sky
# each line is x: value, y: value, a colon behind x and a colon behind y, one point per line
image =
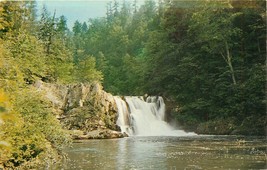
x: 73, y: 10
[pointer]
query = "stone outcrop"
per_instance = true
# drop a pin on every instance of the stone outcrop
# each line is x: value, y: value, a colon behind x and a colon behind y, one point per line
x: 85, y: 109
x: 98, y: 134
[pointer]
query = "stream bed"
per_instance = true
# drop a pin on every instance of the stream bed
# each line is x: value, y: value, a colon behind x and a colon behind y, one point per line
x: 167, y: 153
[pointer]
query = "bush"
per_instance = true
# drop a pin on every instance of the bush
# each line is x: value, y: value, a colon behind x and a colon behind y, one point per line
x: 31, y: 131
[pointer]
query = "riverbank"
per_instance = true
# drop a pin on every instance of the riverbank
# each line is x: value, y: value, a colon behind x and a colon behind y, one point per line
x: 250, y: 126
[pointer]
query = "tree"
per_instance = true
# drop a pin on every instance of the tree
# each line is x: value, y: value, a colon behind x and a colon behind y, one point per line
x: 62, y: 27
x: 27, y: 52
x: 84, y: 27
x: 217, y: 35
x: 77, y: 28
x: 11, y: 16
x: 47, y: 29
x: 85, y: 71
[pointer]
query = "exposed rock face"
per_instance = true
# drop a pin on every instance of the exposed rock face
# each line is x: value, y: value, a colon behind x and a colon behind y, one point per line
x: 84, y: 107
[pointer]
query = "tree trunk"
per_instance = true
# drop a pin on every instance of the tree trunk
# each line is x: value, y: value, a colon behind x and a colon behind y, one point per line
x: 228, y: 60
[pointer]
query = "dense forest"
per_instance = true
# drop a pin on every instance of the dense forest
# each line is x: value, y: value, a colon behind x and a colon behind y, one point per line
x: 207, y: 58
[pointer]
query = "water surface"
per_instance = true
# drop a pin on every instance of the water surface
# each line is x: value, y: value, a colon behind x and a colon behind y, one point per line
x: 168, y: 153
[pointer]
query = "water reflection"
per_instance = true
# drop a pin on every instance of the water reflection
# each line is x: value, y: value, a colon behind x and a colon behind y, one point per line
x: 168, y: 153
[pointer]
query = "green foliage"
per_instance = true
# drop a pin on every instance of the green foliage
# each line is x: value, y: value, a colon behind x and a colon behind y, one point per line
x: 85, y: 70
x: 37, y: 113
x: 60, y: 63
x: 117, y: 43
x: 204, y: 61
x: 4, y: 145
x: 28, y: 53
x: 11, y: 16
x: 61, y: 25
x: 31, y: 129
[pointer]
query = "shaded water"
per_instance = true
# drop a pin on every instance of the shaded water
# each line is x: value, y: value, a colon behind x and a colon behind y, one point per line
x: 168, y: 153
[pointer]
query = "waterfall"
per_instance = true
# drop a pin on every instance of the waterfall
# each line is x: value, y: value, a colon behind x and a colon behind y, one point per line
x: 140, y: 117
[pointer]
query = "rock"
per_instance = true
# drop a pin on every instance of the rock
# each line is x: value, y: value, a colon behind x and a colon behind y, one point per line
x: 236, y: 132
x: 54, y: 93
x: 125, y: 134
x: 101, y: 123
x: 76, y: 134
x: 83, y: 107
x: 100, y: 134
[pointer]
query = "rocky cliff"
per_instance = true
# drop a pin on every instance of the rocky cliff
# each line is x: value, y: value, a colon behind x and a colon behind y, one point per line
x: 84, y: 109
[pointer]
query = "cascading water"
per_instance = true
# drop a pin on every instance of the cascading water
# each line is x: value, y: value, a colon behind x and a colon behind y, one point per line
x: 144, y: 118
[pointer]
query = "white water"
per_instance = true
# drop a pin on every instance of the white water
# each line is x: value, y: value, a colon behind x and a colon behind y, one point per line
x: 144, y: 118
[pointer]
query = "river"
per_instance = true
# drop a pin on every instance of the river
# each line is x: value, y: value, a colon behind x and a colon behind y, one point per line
x: 167, y: 153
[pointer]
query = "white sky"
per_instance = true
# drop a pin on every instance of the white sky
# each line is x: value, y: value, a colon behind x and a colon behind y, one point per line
x: 74, y: 10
